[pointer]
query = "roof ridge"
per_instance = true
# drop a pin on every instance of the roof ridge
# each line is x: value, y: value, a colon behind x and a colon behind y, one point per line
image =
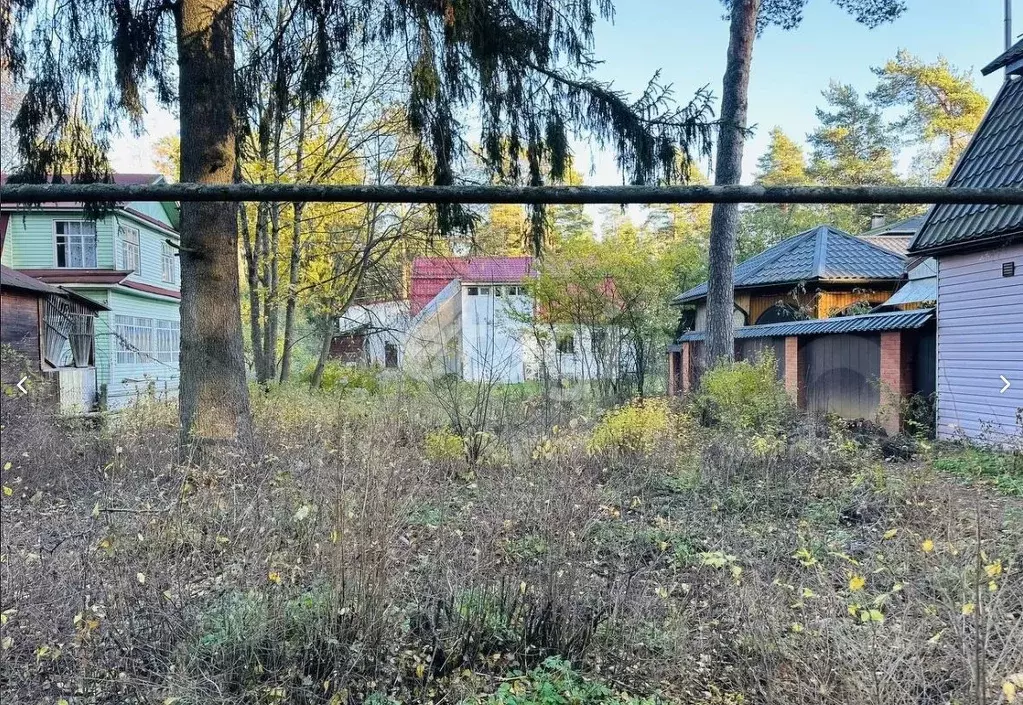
x: 820, y: 252
x: 783, y: 248
x: 861, y: 240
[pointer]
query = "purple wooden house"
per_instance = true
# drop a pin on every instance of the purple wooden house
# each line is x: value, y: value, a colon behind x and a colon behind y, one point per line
x: 979, y: 253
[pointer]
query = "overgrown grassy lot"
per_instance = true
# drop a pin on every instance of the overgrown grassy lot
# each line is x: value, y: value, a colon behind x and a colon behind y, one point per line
x: 721, y: 552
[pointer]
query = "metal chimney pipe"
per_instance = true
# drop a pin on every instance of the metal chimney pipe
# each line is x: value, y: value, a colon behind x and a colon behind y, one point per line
x: 1008, y: 26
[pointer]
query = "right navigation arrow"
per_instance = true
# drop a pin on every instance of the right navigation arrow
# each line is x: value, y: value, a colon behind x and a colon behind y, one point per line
x: 1007, y: 384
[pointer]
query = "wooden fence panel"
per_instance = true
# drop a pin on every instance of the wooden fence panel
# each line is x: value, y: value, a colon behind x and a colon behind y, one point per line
x: 842, y: 374
x: 752, y: 348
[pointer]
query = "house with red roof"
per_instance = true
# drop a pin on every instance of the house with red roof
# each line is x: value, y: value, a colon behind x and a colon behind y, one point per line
x: 476, y: 319
x: 127, y: 262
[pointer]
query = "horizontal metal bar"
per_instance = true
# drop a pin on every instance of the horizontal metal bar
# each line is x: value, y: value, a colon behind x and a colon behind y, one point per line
x: 297, y: 193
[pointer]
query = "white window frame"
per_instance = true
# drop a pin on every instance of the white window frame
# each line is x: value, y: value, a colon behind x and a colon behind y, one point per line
x: 81, y: 245
x: 167, y: 336
x: 131, y: 252
x: 169, y: 264
x: 133, y: 340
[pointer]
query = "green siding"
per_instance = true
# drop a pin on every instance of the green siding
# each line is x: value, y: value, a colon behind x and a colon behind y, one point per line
x: 153, y: 210
x: 126, y: 381
x: 30, y: 240
x: 151, y: 245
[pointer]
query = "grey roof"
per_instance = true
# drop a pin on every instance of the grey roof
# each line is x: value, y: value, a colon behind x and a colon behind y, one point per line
x: 12, y: 279
x: 867, y: 323
x: 823, y: 253
x: 1014, y: 55
x: 994, y: 159
x: 907, y: 226
x: 915, y: 291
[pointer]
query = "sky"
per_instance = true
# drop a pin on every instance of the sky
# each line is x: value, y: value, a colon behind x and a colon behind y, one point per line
x: 687, y: 40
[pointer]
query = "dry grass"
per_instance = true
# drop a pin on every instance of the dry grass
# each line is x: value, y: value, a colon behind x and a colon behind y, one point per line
x: 336, y: 564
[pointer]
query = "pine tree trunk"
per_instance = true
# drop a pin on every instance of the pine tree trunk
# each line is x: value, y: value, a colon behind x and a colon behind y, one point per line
x: 214, y: 397
x: 296, y: 255
x: 728, y: 170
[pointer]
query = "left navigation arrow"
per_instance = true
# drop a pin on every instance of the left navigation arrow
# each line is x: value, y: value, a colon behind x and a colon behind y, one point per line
x: 21, y: 385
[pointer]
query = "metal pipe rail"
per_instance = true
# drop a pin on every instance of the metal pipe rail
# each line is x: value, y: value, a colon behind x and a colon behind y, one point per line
x: 301, y: 193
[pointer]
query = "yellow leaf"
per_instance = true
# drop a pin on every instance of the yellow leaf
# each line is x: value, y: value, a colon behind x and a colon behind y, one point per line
x: 274, y: 577
x: 6, y: 643
x: 936, y: 638
x: 857, y: 583
x: 969, y: 608
x: 7, y: 465
x: 871, y: 616
x: 796, y: 627
x: 927, y: 546
x: 1009, y: 689
x: 993, y: 570
x: 420, y: 670
x: 890, y: 534
x: 8, y: 491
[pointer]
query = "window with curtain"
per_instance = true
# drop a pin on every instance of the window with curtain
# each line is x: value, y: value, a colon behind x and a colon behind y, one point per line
x: 134, y: 338
x: 131, y: 251
x: 170, y: 264
x: 75, y: 244
x: 168, y: 340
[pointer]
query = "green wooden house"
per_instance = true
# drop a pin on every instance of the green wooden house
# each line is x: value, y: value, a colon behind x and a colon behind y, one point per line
x: 127, y: 261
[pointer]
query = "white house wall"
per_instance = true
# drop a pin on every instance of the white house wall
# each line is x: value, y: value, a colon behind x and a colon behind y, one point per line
x: 433, y: 344
x: 492, y: 333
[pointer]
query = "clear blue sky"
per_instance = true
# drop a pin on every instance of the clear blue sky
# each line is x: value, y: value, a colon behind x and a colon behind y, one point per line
x: 687, y: 40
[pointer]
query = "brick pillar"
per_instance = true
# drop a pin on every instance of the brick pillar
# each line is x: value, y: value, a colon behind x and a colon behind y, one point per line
x: 672, y: 372
x: 793, y: 371
x: 686, y: 364
x: 896, y: 378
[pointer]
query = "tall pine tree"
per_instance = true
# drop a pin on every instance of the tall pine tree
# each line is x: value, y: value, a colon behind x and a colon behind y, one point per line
x: 526, y: 68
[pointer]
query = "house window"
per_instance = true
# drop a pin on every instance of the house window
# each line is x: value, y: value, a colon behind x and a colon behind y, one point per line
x: 1009, y: 269
x: 76, y: 243
x: 131, y: 255
x: 170, y: 264
x: 474, y: 291
x: 168, y: 340
x: 565, y: 344
x: 484, y: 291
x: 499, y: 290
x: 134, y: 339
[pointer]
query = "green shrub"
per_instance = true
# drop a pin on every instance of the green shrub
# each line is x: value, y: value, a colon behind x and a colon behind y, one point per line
x: 339, y: 377
x: 443, y: 446
x: 635, y: 428
x: 744, y: 396
x: 555, y: 682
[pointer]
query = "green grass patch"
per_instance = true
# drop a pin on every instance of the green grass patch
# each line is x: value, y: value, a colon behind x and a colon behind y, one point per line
x: 1002, y: 471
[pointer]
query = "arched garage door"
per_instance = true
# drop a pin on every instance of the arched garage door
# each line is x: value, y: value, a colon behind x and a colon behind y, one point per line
x: 842, y: 373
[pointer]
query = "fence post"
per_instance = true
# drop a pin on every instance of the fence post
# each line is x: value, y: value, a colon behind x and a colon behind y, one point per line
x: 793, y: 372
x: 686, y: 363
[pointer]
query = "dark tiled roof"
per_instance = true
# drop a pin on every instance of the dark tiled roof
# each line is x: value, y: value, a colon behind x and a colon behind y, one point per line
x: 867, y: 323
x: 1014, y: 54
x: 907, y: 226
x: 823, y: 253
x: 994, y: 159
